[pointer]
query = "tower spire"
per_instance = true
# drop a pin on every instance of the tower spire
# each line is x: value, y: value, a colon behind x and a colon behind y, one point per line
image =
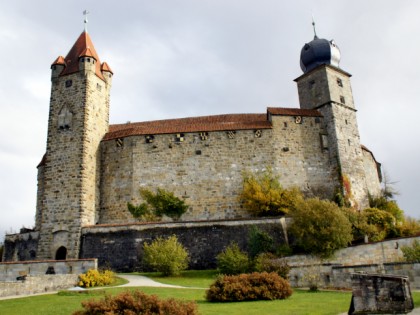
x: 313, y: 25
x: 85, y: 13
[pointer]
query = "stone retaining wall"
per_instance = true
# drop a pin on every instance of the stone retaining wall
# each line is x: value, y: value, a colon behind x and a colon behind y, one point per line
x: 337, y: 276
x: 121, y: 247
x: 38, y: 284
x: 9, y: 271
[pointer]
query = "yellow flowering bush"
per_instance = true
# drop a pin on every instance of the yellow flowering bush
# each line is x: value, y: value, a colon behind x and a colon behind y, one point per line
x: 95, y: 278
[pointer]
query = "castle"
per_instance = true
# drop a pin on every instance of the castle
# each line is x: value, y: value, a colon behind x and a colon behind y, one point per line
x: 92, y: 169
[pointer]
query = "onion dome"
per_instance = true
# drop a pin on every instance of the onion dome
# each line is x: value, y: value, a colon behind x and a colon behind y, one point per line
x: 318, y: 52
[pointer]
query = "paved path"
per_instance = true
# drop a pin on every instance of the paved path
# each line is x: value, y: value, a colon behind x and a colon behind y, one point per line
x: 141, y: 281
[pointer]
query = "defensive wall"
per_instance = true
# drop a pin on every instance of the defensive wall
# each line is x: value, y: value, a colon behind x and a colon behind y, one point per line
x: 120, y: 247
x: 206, y: 168
x: 383, y: 257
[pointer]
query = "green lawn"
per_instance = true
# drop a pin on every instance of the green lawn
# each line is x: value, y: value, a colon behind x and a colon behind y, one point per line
x: 301, y: 302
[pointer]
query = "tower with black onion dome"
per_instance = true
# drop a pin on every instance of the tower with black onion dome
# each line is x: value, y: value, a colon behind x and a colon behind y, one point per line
x: 326, y: 87
x: 68, y: 175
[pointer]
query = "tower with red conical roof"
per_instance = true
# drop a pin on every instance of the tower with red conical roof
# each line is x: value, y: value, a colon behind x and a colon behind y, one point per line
x: 68, y: 176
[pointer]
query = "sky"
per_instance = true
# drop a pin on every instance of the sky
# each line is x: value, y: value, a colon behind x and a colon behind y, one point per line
x: 183, y: 58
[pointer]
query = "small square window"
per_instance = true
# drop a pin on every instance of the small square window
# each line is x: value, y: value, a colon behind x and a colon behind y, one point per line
x: 69, y: 83
x: 311, y: 84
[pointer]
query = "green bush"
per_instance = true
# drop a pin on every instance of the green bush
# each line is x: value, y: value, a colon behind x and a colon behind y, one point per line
x: 270, y: 263
x: 137, y: 302
x: 259, y: 242
x: 158, y: 204
x: 412, y: 253
x: 320, y: 227
x: 95, y: 278
x: 167, y: 256
x: 249, y: 287
x: 232, y: 260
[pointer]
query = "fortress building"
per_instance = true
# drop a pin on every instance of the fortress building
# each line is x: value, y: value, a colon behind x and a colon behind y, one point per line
x: 92, y: 169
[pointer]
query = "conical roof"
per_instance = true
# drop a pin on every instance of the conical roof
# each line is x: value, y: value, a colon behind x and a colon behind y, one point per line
x: 82, y: 45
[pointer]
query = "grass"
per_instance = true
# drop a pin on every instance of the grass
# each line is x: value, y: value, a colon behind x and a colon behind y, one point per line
x: 300, y: 303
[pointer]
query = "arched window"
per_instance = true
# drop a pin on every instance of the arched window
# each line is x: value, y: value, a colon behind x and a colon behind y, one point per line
x: 61, y: 253
x: 65, y: 118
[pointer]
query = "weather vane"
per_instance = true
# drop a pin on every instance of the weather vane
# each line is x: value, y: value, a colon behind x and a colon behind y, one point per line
x: 313, y: 24
x: 85, y: 13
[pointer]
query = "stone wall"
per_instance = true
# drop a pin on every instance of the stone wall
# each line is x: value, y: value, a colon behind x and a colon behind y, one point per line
x: 381, y: 257
x: 9, y: 271
x: 207, y: 173
x: 20, y: 247
x: 38, y: 284
x: 121, y: 247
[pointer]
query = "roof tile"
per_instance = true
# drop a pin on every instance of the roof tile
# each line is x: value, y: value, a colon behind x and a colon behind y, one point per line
x: 82, y: 44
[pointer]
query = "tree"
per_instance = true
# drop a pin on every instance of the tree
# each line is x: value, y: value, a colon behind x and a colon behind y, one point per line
x: 263, y: 194
x: 160, y: 203
x: 320, y: 227
x: 166, y: 255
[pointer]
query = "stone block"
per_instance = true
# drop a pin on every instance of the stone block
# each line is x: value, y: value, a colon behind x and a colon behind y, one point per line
x: 380, y: 294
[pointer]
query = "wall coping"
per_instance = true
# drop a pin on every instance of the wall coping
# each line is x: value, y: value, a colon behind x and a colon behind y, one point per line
x: 152, y: 225
x: 45, y: 261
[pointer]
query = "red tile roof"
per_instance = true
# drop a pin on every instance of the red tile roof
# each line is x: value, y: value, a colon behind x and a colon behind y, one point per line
x: 83, y: 44
x: 87, y: 52
x: 59, y: 61
x: 293, y: 112
x: 106, y: 67
x: 191, y: 124
x: 205, y: 123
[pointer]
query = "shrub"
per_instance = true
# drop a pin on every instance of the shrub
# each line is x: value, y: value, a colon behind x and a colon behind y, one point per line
x: 412, y: 253
x: 249, y: 287
x: 262, y: 194
x: 409, y: 227
x: 167, y: 256
x: 259, y: 242
x: 158, y: 204
x: 270, y: 263
x: 95, y: 278
x: 381, y: 222
x: 137, y: 302
x: 320, y: 227
x: 1, y: 251
x: 232, y: 260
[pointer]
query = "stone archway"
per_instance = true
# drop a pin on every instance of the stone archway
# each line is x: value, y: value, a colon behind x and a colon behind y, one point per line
x: 61, y: 253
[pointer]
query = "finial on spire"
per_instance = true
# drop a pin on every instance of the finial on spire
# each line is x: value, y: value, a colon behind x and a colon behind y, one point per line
x: 313, y: 24
x: 85, y: 13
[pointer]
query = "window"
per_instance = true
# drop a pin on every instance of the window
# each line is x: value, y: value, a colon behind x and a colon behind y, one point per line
x: 342, y: 99
x: 65, y: 118
x: 69, y: 83
x: 339, y: 82
x: 311, y: 84
x: 324, y: 141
